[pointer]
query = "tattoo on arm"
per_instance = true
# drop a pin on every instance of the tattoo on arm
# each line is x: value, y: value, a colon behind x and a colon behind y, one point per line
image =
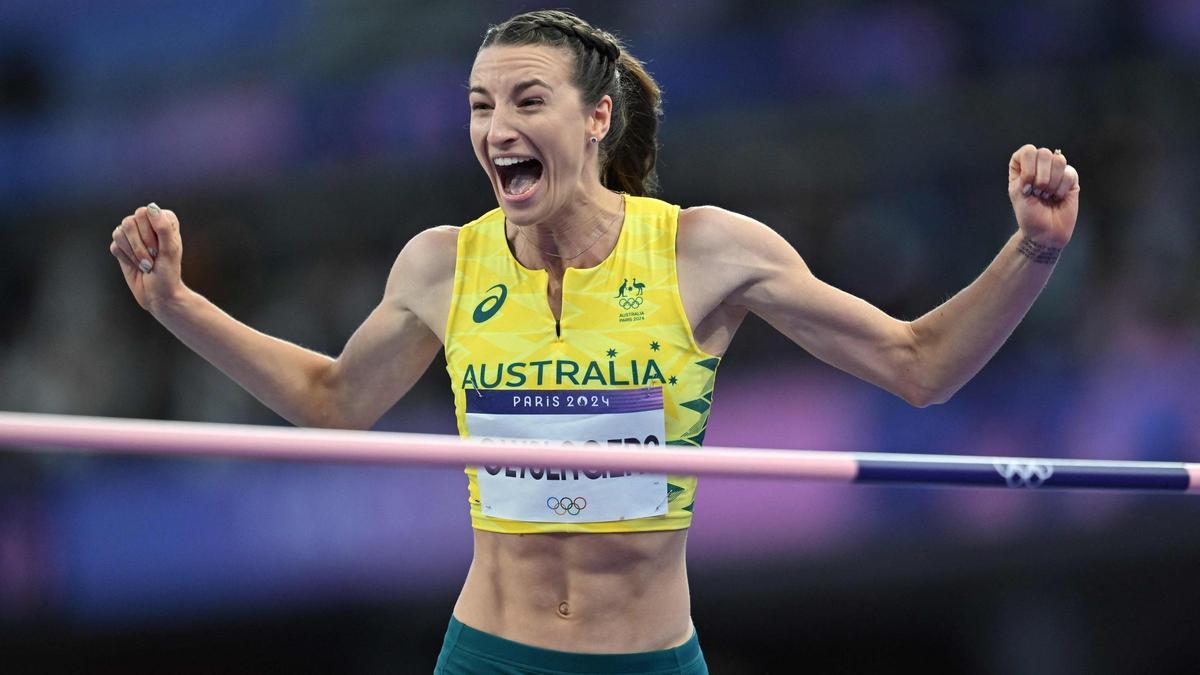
x: 1047, y: 255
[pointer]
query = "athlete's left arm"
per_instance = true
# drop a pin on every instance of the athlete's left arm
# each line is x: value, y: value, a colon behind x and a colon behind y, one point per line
x: 927, y: 360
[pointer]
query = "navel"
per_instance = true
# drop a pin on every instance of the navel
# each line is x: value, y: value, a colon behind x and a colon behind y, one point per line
x: 564, y: 610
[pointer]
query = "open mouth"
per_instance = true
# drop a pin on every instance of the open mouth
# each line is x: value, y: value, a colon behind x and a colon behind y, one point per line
x: 518, y: 175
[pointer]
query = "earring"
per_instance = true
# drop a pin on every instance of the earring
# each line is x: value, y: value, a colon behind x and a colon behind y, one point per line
x: 595, y: 140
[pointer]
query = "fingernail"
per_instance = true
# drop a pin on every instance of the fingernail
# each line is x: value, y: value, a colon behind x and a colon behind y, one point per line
x: 1027, y: 189
x: 153, y: 252
x: 144, y: 265
x: 153, y: 207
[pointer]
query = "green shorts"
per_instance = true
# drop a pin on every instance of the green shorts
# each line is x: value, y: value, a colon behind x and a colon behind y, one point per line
x: 467, y: 651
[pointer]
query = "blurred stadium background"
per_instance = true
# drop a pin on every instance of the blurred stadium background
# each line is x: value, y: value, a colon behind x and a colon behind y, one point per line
x: 302, y: 143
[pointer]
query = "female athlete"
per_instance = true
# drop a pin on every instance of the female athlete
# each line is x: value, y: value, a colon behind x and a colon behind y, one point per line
x: 583, y: 310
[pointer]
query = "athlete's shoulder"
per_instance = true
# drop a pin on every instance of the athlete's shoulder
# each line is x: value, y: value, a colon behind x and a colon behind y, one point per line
x: 434, y: 243
x: 426, y: 260
x: 711, y: 229
x: 704, y: 219
x: 728, y: 250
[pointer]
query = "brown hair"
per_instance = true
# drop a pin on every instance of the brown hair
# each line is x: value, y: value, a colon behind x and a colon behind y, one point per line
x: 602, y: 66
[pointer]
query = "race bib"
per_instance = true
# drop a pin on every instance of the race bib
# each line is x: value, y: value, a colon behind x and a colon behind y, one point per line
x: 628, y: 417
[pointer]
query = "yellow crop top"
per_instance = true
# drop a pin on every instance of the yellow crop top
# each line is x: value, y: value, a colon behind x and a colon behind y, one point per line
x: 621, y: 367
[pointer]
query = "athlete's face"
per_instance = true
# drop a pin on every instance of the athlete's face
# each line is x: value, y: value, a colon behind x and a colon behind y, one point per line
x: 531, y: 130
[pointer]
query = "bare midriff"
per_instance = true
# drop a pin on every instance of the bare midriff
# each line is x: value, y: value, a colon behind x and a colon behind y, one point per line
x: 588, y: 593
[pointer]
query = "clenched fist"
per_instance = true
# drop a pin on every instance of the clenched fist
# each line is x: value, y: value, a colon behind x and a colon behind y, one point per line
x: 148, y: 247
x: 1044, y: 191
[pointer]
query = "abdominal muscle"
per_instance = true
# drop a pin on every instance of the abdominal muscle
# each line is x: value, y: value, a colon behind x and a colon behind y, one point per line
x: 593, y: 593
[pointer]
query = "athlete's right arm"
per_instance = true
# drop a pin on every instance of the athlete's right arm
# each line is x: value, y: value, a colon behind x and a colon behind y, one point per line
x: 379, y: 364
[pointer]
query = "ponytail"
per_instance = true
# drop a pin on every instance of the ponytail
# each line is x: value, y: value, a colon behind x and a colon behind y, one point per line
x: 627, y: 165
x: 602, y: 66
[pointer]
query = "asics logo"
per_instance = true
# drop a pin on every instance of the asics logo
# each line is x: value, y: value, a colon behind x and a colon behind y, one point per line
x: 491, y: 304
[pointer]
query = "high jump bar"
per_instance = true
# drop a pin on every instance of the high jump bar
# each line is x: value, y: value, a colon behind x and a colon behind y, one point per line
x: 105, y: 435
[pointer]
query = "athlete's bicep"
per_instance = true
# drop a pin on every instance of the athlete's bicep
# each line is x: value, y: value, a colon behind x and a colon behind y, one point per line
x: 381, y: 362
x: 395, y: 344
x: 836, y: 327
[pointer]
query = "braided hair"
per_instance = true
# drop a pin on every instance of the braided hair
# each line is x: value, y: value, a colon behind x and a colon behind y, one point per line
x: 602, y: 66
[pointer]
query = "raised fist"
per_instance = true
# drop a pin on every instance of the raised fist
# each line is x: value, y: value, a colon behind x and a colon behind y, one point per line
x: 1044, y: 191
x: 148, y: 247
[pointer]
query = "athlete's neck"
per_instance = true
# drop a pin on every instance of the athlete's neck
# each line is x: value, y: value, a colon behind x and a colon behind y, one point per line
x: 582, y: 234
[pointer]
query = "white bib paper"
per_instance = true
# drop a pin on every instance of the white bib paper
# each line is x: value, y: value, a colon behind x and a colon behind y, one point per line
x: 562, y: 493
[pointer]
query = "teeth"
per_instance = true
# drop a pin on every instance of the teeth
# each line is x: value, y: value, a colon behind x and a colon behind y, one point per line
x: 509, y: 161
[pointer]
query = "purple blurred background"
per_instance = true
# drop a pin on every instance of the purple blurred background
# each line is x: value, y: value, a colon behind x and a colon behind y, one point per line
x: 303, y: 143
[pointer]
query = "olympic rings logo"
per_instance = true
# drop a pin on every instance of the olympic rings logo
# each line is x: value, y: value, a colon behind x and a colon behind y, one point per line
x: 565, y: 505
x: 1024, y: 475
x: 630, y: 303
